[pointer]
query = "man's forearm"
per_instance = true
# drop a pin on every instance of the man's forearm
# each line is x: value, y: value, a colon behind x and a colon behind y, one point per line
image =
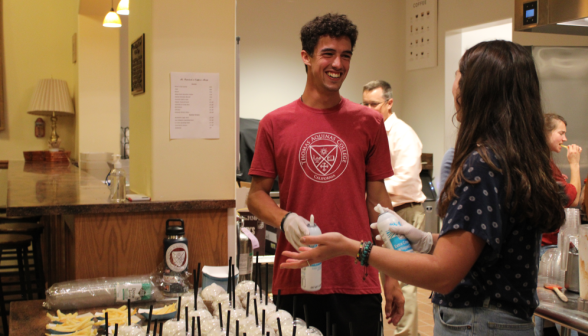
x: 263, y: 207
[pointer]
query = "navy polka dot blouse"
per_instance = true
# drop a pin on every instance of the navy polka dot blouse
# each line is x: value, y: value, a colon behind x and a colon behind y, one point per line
x: 506, y: 270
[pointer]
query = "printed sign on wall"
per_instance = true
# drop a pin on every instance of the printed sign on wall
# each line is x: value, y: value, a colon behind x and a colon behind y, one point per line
x: 421, y: 34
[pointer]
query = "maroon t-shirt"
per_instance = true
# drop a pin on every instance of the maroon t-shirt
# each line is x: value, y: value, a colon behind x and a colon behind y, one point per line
x: 571, y: 192
x: 323, y: 159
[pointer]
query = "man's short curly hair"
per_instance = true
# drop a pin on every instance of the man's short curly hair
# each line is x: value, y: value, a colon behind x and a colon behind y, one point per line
x: 333, y: 25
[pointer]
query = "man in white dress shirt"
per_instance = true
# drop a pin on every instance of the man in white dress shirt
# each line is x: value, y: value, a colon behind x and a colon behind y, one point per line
x: 405, y: 187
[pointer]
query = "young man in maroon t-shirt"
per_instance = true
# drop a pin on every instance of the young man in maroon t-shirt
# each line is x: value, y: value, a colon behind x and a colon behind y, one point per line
x: 329, y: 153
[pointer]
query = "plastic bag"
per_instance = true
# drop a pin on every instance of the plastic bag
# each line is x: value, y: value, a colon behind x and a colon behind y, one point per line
x: 100, y: 292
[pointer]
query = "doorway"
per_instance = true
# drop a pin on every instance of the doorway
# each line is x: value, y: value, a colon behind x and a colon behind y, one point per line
x: 456, y: 43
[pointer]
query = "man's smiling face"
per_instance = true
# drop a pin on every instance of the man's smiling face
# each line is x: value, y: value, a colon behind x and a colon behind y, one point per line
x: 328, y: 66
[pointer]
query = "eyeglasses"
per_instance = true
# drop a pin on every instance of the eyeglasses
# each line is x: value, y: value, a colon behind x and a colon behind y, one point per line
x: 372, y: 104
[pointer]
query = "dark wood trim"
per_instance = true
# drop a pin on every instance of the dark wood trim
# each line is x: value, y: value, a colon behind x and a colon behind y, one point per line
x: 119, y: 208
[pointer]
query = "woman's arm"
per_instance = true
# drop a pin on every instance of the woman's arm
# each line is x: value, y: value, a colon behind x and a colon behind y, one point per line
x: 575, y: 180
x: 585, y: 197
x: 454, y: 255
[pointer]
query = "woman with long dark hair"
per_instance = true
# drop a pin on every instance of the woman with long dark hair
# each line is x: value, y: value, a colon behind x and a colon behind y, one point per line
x: 499, y: 197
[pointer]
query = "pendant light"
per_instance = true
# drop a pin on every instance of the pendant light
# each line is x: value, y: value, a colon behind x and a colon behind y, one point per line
x: 112, y: 20
x: 123, y: 7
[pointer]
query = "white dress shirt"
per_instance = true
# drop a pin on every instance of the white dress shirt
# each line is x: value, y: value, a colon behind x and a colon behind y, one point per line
x: 405, y: 151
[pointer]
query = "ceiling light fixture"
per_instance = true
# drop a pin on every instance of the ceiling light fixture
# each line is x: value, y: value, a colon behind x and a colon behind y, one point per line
x: 112, y: 20
x: 123, y: 7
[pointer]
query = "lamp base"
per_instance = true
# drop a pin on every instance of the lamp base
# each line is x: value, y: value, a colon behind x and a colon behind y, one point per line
x: 53, y: 149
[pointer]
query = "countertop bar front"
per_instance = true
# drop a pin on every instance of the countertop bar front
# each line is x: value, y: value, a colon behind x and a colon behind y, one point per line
x: 87, y: 237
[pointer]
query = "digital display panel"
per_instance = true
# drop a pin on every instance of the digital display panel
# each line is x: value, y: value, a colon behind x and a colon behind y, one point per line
x: 530, y: 13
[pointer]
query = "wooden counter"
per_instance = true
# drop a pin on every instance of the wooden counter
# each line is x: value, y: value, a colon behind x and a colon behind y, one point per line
x: 88, y: 237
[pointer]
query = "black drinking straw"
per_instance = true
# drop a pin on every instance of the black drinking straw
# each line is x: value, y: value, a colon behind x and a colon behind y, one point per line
x: 129, y: 311
x: 334, y: 329
x: 294, y: 331
x: 266, y: 283
x: 260, y: 284
x: 237, y: 328
x: 279, y: 327
x: 305, y: 314
x: 186, y: 318
x: 179, y: 307
x: 247, y: 312
x: 161, y: 329
x: 350, y: 329
x: 263, y: 322
x: 228, y: 321
x: 229, y: 279
x: 154, y: 327
x: 198, y: 321
x: 328, y: 324
x: 255, y: 271
x: 115, y: 330
x: 106, y: 322
x: 232, y: 282
x: 255, y: 307
x: 196, y: 286
x: 149, y: 323
x: 233, y: 288
x: 193, y: 325
x: 220, y: 314
x: 294, y: 309
x: 278, y: 302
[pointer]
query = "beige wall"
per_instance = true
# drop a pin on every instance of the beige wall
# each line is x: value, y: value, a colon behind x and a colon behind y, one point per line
x: 98, y: 117
x: 272, y: 73
x: 424, y: 102
x: 140, y: 113
x: 184, y: 36
x: 37, y: 45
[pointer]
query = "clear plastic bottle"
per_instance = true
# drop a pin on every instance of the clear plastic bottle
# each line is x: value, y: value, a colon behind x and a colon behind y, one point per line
x: 118, y: 182
x: 311, y: 276
x: 391, y: 240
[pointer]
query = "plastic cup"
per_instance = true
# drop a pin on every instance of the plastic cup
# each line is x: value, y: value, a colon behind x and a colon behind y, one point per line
x: 583, y: 269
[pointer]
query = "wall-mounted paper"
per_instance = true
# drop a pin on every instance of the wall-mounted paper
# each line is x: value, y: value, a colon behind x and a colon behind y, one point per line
x: 194, y: 110
x: 421, y: 34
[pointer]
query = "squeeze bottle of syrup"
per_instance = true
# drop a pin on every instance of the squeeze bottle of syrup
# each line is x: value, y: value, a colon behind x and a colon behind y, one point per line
x: 391, y: 240
x: 311, y: 276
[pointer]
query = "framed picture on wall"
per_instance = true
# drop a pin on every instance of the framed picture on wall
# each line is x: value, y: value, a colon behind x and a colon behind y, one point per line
x: 138, y: 66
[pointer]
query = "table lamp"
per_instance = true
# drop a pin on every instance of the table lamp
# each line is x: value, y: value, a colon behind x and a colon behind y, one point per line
x: 51, y: 98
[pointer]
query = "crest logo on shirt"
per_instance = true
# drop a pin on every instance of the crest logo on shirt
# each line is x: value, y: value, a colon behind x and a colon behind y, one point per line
x: 323, y: 157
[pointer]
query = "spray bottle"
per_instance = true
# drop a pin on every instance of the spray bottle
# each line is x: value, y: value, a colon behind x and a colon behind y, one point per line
x: 391, y: 240
x: 311, y: 276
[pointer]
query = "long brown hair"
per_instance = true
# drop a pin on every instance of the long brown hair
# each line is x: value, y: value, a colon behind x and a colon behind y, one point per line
x: 500, y: 109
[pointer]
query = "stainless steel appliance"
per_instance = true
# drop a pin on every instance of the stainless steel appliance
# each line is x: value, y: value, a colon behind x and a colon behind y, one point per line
x: 563, y: 77
x: 552, y: 16
x: 430, y: 203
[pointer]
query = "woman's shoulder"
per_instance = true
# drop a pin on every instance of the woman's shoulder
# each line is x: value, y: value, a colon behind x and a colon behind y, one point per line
x: 481, y: 160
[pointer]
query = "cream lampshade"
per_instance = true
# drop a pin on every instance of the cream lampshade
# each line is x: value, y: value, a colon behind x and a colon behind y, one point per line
x: 123, y: 7
x: 51, y: 98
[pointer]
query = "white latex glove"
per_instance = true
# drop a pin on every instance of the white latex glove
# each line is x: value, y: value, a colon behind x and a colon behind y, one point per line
x: 419, y: 240
x: 295, y: 227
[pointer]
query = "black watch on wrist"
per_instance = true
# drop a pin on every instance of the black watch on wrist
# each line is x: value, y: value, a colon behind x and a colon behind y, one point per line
x: 283, y: 220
